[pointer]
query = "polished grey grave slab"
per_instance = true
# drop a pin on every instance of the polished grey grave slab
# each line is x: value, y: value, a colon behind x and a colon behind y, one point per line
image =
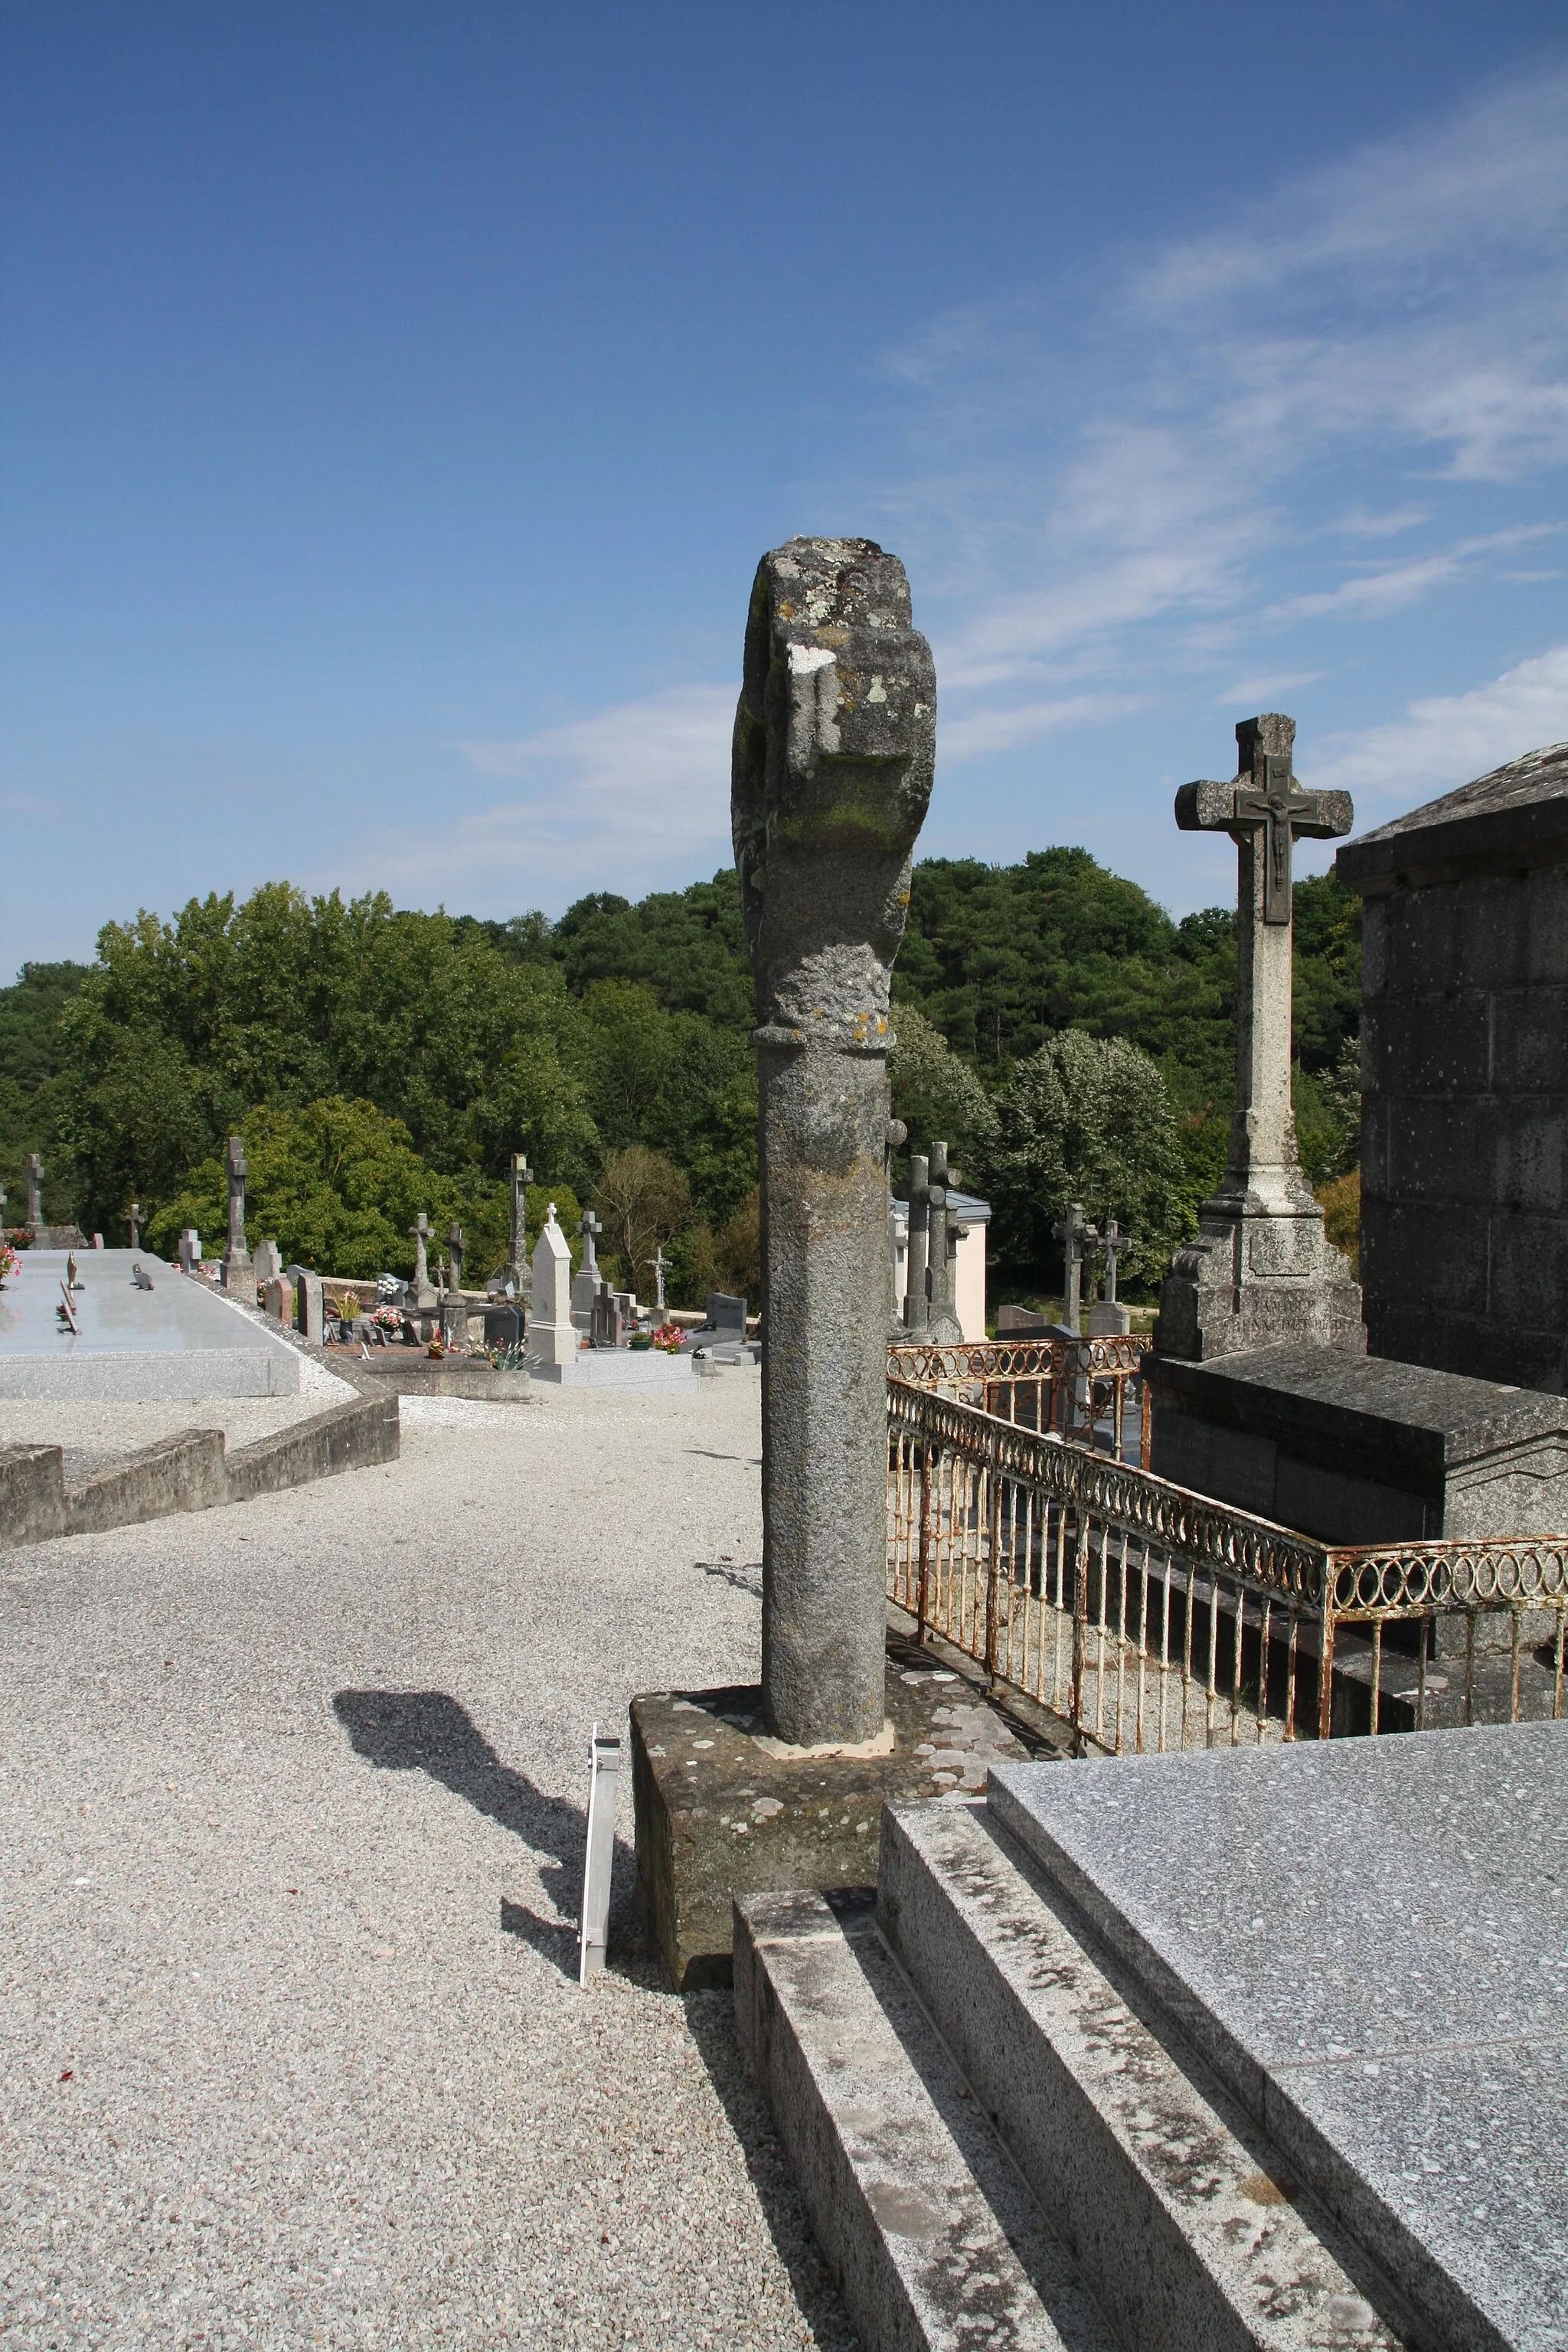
x: 178, y: 1340
x: 1368, y: 1942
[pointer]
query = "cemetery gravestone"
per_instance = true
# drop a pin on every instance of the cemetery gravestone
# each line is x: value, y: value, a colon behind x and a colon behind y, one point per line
x: 551, y: 1335
x: 943, y: 1232
x: 268, y: 1263
x: 424, y: 1295
x: 660, y: 1265
x: 1109, y: 1319
x: 310, y: 1304
x: 190, y: 1250
x: 585, y: 1286
x: 237, y: 1273
x: 455, y: 1246
x: 517, y: 1264
x: 277, y: 1299
x: 917, y: 1298
x: 35, y: 1191
x: 1261, y: 1271
x: 1076, y: 1237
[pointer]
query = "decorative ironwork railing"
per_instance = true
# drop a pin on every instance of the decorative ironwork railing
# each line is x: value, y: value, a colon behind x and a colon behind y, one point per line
x: 1149, y: 1618
x: 1040, y: 1385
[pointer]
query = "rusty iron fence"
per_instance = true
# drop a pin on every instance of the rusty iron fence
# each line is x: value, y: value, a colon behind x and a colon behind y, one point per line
x: 1147, y: 1618
x: 1077, y: 1387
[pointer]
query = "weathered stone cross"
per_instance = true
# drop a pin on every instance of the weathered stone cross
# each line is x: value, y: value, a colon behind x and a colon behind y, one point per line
x: 1114, y: 1243
x: 1263, y: 809
x: 237, y: 1257
x: 660, y: 1267
x: 1076, y: 1238
x: 34, y: 1191
x: 588, y: 1225
x: 517, y: 1246
x: 941, y: 1248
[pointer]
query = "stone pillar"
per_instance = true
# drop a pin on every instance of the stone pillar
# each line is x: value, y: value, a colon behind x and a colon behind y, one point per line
x: 916, y: 1294
x: 834, y: 740
x: 424, y: 1297
x: 518, y: 1270
x: 35, y: 1191
x: 237, y: 1272
x: 1261, y: 1272
x: 551, y: 1335
x: 136, y: 1224
x: 1075, y: 1237
x: 455, y: 1246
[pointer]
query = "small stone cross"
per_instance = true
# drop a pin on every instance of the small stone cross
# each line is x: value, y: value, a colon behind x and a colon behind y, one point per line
x: 234, y: 1160
x: 660, y: 1265
x: 1076, y: 1238
x: 419, y: 1233
x: 1115, y: 1242
x: 588, y: 1225
x: 34, y: 1190
x: 455, y: 1245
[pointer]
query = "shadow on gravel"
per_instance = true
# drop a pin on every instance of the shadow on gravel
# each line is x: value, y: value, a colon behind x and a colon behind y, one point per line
x: 711, y: 2018
x: 428, y: 1731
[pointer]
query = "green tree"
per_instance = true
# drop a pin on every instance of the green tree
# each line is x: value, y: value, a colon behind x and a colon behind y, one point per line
x: 937, y: 1094
x: 1090, y: 1120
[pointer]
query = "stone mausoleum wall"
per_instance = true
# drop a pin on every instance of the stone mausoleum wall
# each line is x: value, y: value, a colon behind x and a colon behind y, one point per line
x: 1464, y: 1076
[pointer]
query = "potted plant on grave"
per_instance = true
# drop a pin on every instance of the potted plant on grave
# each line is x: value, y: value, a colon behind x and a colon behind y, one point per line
x: 10, y: 1263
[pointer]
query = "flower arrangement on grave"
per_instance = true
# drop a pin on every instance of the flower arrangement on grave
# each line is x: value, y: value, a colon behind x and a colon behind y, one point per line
x: 348, y: 1307
x: 669, y: 1336
x: 10, y: 1263
x: 437, y: 1347
x: 386, y: 1319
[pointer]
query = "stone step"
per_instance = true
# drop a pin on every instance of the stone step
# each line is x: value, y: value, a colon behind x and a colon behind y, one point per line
x: 1184, y: 2224
x: 934, y: 2240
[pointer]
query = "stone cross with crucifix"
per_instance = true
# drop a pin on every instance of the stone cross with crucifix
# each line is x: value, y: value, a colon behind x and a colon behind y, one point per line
x: 660, y: 1267
x: 1261, y: 1271
x: 1109, y: 1319
x: 236, y: 1268
x: 1076, y: 1239
x: 35, y: 1191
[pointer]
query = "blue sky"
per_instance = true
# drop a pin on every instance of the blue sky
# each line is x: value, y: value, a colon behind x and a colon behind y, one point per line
x: 395, y: 401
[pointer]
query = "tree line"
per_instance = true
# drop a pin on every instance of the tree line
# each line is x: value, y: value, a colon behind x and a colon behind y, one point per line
x: 1054, y: 1024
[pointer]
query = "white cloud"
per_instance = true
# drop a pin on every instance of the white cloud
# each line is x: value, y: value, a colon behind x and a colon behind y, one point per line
x: 1447, y: 740
x: 630, y: 799
x: 1256, y: 693
x: 985, y: 731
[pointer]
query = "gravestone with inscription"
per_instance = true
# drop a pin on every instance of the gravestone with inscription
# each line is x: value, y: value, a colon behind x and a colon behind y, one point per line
x: 552, y: 1337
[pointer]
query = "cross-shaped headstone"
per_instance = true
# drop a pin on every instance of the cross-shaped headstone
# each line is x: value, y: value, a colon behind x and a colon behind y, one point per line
x: 660, y: 1265
x: 34, y: 1190
x: 941, y: 1248
x: 419, y: 1235
x: 1076, y: 1238
x: 455, y: 1245
x: 917, y: 1297
x: 1263, y: 808
x: 522, y: 1178
x: 588, y: 1225
x: 1114, y: 1243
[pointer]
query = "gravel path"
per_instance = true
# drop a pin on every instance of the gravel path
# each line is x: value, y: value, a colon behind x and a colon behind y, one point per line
x: 290, y: 1835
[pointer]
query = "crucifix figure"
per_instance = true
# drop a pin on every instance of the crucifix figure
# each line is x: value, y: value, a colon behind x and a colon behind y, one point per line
x: 237, y: 1257
x: 1076, y: 1238
x: 660, y: 1265
x: 34, y: 1191
x: 1261, y: 1269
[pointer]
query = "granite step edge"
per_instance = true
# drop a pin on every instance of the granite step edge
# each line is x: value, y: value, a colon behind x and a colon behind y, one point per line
x: 932, y: 2237
x: 1191, y: 2230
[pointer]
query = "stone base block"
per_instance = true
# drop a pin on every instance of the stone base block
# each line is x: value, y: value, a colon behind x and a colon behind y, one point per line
x: 1259, y: 1281
x: 718, y: 1816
